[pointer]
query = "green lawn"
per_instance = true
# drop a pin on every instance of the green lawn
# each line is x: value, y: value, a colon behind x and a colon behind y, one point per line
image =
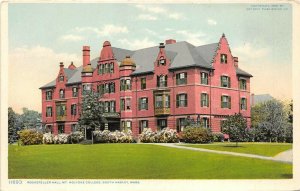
x: 264, y: 149
x: 135, y: 161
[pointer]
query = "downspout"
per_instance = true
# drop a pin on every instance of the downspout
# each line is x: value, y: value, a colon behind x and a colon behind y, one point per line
x: 210, y: 74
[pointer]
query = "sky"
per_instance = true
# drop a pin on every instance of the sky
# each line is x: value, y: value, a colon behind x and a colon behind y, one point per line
x: 42, y: 35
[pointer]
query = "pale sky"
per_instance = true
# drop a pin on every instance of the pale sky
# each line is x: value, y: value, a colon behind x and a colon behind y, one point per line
x: 42, y: 35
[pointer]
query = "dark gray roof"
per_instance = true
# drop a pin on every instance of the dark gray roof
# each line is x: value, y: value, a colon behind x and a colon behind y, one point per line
x: 49, y: 85
x: 181, y: 54
x: 208, y: 51
x: 242, y: 72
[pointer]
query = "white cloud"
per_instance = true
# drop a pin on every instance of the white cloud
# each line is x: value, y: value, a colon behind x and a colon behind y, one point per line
x: 157, y: 10
x: 137, y: 44
x: 30, y: 68
x: 146, y: 17
x: 211, y: 22
x: 248, y: 52
x: 106, y: 30
x: 151, y: 32
x: 193, y: 38
x: 72, y: 37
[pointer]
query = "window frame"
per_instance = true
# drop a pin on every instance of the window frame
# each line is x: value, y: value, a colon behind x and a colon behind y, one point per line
x: 221, y: 58
x: 61, y: 94
x: 180, y: 80
x: 49, y: 97
x: 73, y: 109
x: 204, y: 100
x: 47, y: 111
x: 228, y: 102
x: 143, y: 83
x: 204, y: 80
x: 143, y: 103
x: 243, y: 105
x: 243, y: 84
x: 182, y: 102
x: 225, y: 84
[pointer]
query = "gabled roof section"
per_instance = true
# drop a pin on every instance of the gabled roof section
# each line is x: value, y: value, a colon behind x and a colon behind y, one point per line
x: 49, y: 85
x: 241, y: 72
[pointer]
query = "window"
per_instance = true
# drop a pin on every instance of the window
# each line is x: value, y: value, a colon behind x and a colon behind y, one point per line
x: 112, y: 108
x: 225, y: 81
x: 162, y: 101
x: 122, y: 104
x: 61, y: 128
x: 49, y: 95
x: 143, y: 83
x: 243, y: 84
x: 204, y: 100
x: 161, y: 123
x: 61, y: 78
x: 181, y: 100
x: 106, y: 106
x: 125, y: 84
x: 243, y: 103
x: 49, y: 112
x: 106, y: 68
x: 100, y: 89
x: 86, y: 88
x: 143, y: 125
x: 128, y: 103
x: 111, y: 67
x: 74, y: 127
x: 225, y: 102
x: 106, y: 88
x: 143, y: 103
x: 61, y: 110
x: 162, y: 81
x: 181, y: 123
x: 75, y: 92
x: 204, y: 78
x: 205, y: 122
x: 101, y: 69
x: 61, y: 93
x: 126, y: 125
x: 224, y: 58
x: 181, y: 78
x: 73, y: 109
x: 161, y: 61
x: 112, y: 87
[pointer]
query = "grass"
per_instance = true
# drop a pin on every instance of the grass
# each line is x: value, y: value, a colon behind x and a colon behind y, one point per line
x: 134, y: 161
x: 264, y: 149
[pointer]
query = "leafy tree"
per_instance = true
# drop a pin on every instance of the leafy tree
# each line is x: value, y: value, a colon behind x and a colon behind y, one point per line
x: 12, y: 130
x: 270, y: 119
x: 29, y: 119
x: 235, y: 126
x: 91, y: 111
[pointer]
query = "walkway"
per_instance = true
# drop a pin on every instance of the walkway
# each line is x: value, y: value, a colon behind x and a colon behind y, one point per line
x: 286, y: 156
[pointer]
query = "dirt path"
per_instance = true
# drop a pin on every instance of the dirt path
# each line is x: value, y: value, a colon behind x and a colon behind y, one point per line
x: 286, y: 156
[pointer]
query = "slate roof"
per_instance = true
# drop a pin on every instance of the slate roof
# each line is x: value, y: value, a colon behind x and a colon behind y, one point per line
x: 182, y: 54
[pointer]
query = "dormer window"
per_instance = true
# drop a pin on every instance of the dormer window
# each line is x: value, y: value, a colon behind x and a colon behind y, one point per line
x: 61, y: 78
x: 161, y: 61
x: 61, y: 93
x: 223, y: 58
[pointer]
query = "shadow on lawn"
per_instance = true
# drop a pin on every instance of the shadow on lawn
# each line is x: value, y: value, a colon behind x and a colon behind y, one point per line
x: 233, y: 146
x: 287, y: 175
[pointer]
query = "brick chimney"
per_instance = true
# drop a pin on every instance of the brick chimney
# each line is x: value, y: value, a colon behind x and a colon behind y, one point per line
x: 85, y: 55
x: 170, y: 41
x: 61, y: 65
x: 236, y: 61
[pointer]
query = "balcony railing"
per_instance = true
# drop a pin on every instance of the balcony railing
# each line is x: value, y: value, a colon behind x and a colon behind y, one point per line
x: 162, y: 111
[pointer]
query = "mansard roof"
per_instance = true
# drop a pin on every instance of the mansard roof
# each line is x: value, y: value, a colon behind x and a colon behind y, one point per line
x: 181, y: 54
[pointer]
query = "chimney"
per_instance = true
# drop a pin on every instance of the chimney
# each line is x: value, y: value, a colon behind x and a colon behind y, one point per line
x: 236, y: 61
x: 61, y: 65
x: 72, y: 66
x: 161, y: 45
x: 85, y: 55
x: 170, y: 41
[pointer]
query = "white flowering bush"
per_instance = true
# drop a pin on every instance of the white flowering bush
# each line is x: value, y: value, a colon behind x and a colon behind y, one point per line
x: 76, y: 137
x: 48, y: 138
x: 113, y: 137
x: 164, y: 136
x: 61, y: 139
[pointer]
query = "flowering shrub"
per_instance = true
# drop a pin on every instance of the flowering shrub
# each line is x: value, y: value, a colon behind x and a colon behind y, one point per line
x: 76, y: 137
x: 30, y: 137
x: 197, y: 135
x: 48, y: 138
x: 218, y: 137
x: 164, y: 136
x: 113, y: 137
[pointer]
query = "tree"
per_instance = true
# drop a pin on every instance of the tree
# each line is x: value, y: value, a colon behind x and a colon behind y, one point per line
x: 235, y: 126
x: 270, y: 119
x: 91, y: 111
x: 12, y: 130
x: 29, y: 119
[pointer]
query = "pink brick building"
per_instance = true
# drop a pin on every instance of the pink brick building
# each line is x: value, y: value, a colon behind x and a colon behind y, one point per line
x: 155, y: 87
